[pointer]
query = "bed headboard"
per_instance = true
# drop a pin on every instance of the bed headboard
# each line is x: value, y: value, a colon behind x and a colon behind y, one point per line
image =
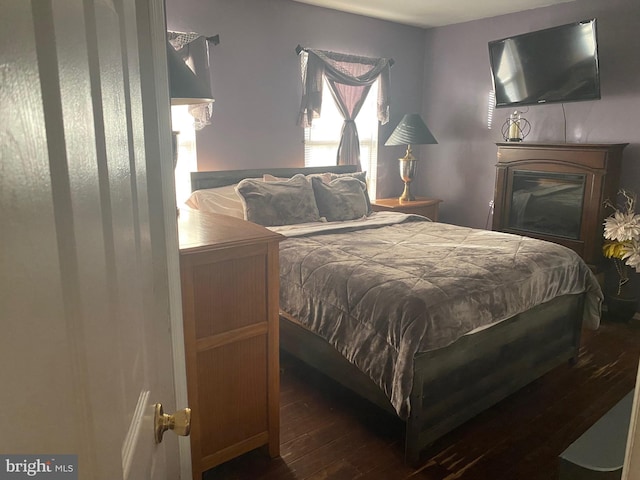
x: 201, y: 180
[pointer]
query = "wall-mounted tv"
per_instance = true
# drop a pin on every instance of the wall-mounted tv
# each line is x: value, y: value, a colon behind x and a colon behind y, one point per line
x: 558, y: 64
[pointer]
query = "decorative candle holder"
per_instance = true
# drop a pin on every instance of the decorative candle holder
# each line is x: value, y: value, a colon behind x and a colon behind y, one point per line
x: 515, y: 128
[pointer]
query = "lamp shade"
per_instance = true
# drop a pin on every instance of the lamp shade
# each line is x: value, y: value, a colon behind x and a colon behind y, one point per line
x: 411, y: 131
x: 185, y: 87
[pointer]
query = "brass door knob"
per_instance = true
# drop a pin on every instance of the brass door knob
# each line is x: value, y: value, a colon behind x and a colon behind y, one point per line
x: 179, y: 422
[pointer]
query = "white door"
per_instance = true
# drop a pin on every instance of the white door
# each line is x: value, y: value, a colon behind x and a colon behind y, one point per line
x: 88, y: 243
x: 631, y: 468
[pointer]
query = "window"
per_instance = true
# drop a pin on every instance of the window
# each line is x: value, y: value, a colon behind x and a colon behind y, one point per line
x: 322, y: 139
x: 182, y: 122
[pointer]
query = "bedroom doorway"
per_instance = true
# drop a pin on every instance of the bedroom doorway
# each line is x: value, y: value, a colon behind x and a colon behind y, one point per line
x: 89, y: 249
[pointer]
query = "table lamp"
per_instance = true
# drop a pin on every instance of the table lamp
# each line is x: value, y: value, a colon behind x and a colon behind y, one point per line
x: 410, y: 131
x: 185, y: 88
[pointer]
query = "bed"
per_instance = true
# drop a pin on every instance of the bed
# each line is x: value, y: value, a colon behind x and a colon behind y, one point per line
x: 432, y: 322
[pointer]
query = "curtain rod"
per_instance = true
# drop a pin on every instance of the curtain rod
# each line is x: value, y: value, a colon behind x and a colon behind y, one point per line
x: 299, y: 49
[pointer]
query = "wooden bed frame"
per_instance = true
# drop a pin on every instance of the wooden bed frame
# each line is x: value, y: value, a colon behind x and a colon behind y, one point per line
x: 452, y: 384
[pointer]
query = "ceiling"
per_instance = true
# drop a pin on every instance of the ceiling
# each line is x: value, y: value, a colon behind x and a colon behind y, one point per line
x: 432, y: 13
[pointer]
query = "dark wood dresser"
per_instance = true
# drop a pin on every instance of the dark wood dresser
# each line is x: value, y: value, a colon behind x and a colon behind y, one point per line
x: 555, y: 192
x: 230, y: 286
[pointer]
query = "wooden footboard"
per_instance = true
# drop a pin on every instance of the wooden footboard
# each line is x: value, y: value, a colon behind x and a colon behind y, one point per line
x: 316, y: 352
x: 453, y: 384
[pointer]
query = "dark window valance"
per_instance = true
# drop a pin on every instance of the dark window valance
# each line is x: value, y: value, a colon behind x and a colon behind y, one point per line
x: 350, y: 78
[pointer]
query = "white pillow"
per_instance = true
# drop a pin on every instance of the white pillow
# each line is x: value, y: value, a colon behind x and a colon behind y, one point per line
x: 222, y: 200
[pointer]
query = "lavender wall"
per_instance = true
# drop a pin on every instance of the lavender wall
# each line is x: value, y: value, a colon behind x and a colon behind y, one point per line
x: 256, y: 80
x: 255, y: 76
x: 457, y: 82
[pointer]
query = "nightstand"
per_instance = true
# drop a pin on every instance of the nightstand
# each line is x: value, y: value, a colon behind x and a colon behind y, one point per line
x: 427, y: 207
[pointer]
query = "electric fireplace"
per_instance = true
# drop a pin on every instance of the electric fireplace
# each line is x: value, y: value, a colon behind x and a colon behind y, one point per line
x: 555, y: 192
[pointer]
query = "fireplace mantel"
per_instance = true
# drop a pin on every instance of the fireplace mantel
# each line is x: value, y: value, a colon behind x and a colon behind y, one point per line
x: 555, y: 192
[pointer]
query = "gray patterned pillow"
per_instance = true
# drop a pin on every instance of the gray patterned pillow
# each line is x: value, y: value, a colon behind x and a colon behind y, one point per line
x: 362, y: 176
x: 342, y: 199
x: 267, y: 177
x: 278, y: 203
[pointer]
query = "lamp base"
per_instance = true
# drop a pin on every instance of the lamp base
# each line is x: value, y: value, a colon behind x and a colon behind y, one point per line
x: 406, y: 196
x: 408, y: 165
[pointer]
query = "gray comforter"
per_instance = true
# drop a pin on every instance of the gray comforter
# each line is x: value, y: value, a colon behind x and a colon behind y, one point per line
x: 381, y: 294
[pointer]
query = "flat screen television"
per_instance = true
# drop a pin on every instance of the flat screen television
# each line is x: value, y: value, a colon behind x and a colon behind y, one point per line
x: 558, y: 64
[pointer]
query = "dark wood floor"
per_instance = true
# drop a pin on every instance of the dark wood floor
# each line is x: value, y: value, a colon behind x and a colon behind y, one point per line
x: 328, y: 433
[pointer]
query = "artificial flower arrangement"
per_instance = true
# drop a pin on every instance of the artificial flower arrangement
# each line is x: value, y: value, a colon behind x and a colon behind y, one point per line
x: 622, y: 236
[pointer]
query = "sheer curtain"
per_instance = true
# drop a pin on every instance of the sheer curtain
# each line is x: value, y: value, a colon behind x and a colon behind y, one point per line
x: 349, y: 78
